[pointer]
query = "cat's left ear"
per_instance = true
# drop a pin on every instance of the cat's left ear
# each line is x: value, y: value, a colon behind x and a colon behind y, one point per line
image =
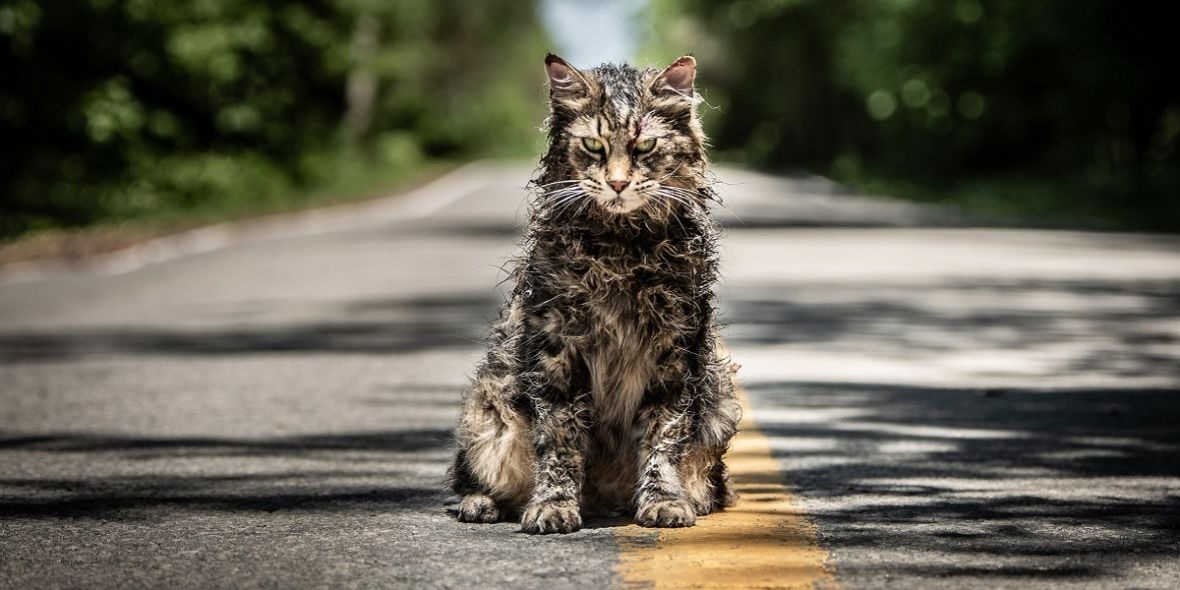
x: 677, y: 78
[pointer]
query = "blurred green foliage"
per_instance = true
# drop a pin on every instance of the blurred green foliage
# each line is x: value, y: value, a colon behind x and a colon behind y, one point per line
x: 124, y: 109
x: 1050, y: 110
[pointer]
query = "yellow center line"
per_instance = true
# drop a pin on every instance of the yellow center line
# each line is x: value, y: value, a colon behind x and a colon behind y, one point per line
x: 764, y: 541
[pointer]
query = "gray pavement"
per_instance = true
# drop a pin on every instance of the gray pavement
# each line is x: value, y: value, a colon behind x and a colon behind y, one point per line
x: 271, y: 408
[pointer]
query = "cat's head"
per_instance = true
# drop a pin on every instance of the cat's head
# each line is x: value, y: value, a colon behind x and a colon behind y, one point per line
x: 625, y: 141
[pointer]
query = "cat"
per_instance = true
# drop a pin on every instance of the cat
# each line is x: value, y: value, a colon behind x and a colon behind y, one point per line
x: 603, y: 388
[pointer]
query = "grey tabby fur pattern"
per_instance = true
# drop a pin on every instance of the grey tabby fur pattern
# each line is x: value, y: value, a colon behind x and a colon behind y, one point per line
x: 604, y: 389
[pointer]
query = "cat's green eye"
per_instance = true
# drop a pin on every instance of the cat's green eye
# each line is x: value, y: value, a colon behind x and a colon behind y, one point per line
x: 593, y: 145
x: 645, y: 146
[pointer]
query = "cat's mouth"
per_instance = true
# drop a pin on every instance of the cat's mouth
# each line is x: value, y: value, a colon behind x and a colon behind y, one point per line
x: 619, y: 205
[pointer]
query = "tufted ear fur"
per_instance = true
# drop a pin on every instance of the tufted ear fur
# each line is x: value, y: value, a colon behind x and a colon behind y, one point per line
x: 566, y: 83
x: 677, y: 78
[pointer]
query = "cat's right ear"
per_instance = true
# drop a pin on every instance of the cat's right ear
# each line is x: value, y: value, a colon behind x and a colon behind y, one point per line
x: 566, y: 84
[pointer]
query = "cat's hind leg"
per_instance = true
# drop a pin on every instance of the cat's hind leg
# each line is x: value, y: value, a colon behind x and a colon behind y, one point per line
x: 704, y: 474
x: 724, y: 495
x: 479, y: 507
x: 493, y: 468
x: 475, y: 504
x: 705, y: 480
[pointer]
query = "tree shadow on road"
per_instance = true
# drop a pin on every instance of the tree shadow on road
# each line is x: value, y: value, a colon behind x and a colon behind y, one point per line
x: 1117, y: 329
x: 1025, y: 470
x: 369, y: 326
x: 128, y: 477
x: 943, y: 482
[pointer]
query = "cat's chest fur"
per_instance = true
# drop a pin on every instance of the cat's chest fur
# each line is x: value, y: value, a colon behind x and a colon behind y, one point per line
x: 618, y: 308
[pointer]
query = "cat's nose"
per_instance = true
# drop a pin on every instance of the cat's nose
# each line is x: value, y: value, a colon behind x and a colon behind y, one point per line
x: 618, y: 185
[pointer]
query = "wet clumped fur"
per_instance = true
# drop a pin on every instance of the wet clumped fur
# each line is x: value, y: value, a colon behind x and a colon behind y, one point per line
x: 603, y: 389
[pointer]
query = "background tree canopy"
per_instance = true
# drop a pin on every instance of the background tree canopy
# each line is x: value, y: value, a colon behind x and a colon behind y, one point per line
x: 118, y: 109
x: 1044, y: 110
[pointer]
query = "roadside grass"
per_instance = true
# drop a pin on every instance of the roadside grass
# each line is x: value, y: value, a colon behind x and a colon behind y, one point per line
x: 349, y: 186
x: 1027, y: 201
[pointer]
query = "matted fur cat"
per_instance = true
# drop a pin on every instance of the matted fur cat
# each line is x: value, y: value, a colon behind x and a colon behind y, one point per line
x: 603, y: 389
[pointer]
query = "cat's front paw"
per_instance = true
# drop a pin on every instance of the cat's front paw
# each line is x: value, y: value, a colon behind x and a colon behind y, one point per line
x: 666, y: 513
x: 479, y: 508
x: 551, y: 517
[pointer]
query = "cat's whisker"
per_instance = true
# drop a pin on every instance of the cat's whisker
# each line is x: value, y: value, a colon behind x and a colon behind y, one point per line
x: 669, y: 187
x: 681, y: 190
x: 561, y: 196
x: 561, y: 182
x: 669, y: 174
x: 678, y: 198
x: 567, y: 197
x: 582, y: 208
x: 666, y: 193
x: 564, y: 190
x: 557, y: 182
x: 563, y: 204
x: 569, y: 187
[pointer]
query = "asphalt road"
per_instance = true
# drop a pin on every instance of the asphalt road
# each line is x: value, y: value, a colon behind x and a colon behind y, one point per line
x: 271, y: 407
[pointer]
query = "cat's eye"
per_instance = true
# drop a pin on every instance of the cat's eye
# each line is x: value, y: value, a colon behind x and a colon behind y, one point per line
x: 645, y: 146
x: 593, y: 145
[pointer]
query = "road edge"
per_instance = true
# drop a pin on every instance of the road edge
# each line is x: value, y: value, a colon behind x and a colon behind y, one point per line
x: 398, y: 206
